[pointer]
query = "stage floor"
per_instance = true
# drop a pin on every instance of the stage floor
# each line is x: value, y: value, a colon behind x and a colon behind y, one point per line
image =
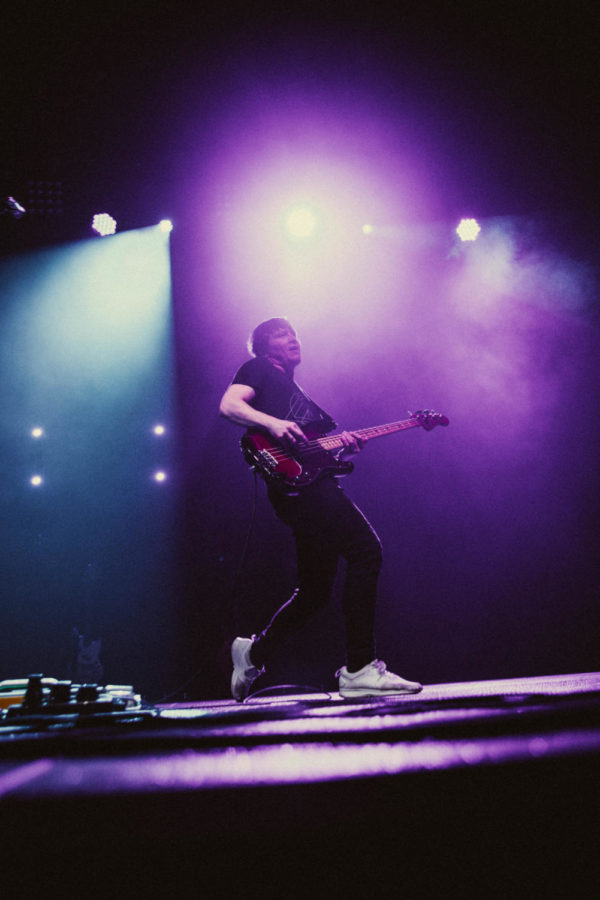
x: 504, y: 772
x: 282, y: 738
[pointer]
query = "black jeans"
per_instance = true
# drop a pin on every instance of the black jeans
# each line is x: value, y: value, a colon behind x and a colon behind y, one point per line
x: 327, y: 525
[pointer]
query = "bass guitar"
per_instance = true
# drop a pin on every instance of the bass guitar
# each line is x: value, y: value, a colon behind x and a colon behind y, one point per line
x: 294, y: 468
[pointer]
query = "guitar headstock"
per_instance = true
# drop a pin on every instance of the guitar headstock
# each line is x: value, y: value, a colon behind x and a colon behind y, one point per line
x: 428, y: 419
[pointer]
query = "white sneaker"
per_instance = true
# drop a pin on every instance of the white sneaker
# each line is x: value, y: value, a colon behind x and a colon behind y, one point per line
x: 244, y: 672
x: 374, y: 680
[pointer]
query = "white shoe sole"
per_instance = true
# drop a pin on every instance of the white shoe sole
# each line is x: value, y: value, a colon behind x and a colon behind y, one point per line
x: 371, y: 692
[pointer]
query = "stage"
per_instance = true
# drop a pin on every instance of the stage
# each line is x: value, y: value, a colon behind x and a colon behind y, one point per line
x: 482, y: 786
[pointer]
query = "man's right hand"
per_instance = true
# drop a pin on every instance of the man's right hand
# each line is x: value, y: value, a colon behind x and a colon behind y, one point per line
x: 283, y: 430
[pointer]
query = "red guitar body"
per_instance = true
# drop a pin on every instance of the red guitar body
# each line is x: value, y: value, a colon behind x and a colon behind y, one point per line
x: 291, y: 469
x: 294, y: 468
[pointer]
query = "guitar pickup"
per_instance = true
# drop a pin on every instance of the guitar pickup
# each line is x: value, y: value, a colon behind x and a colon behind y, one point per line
x: 268, y: 458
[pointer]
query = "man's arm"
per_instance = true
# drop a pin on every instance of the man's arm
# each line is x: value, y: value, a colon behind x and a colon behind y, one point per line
x: 235, y: 406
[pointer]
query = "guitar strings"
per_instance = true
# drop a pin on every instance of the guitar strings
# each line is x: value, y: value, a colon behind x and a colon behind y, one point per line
x: 317, y: 445
x: 320, y: 444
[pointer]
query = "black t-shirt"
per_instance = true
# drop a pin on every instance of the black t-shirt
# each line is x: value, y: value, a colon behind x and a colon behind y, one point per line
x: 278, y: 395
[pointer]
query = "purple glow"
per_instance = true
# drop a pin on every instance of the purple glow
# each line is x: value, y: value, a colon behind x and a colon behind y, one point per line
x: 495, y: 338
x: 331, y: 173
x: 289, y: 763
x: 104, y: 224
x: 16, y: 779
x: 468, y: 229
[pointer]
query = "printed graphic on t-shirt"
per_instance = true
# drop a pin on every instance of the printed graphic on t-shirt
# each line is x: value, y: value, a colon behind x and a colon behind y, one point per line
x: 301, y: 411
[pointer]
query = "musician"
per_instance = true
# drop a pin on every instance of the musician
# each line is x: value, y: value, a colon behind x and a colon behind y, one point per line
x: 325, y: 523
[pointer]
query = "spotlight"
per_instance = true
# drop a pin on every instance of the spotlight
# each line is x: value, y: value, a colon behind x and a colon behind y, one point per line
x: 37, y: 432
x: 160, y: 476
x: 104, y: 224
x: 36, y: 480
x: 300, y: 222
x: 165, y: 225
x: 11, y: 207
x: 159, y: 429
x: 468, y: 229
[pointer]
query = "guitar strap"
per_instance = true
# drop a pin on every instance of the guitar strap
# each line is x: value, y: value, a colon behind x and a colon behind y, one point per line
x: 325, y: 423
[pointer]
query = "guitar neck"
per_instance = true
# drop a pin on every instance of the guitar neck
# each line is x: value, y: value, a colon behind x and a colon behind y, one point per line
x: 334, y: 441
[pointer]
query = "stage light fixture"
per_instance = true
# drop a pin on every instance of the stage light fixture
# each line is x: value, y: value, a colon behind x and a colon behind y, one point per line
x: 11, y: 207
x: 165, y: 225
x: 159, y: 429
x: 160, y: 476
x: 36, y: 480
x: 104, y: 224
x: 37, y: 432
x: 300, y: 222
x: 468, y: 229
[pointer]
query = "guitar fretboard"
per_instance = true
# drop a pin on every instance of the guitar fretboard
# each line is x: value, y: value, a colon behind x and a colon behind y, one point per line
x: 334, y: 441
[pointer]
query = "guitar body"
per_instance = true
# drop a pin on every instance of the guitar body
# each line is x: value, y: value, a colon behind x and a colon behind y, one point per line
x: 292, y: 469
x: 287, y: 468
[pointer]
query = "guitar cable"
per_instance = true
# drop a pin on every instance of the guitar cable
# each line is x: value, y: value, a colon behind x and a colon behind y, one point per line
x: 240, y: 568
x: 236, y: 577
x: 295, y: 688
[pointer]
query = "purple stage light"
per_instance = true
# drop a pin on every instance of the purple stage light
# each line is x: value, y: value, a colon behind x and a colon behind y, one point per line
x: 104, y: 224
x: 287, y: 204
x: 468, y: 229
x: 300, y: 222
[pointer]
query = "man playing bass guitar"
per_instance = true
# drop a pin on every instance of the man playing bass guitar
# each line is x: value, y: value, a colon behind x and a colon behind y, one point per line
x: 265, y: 399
